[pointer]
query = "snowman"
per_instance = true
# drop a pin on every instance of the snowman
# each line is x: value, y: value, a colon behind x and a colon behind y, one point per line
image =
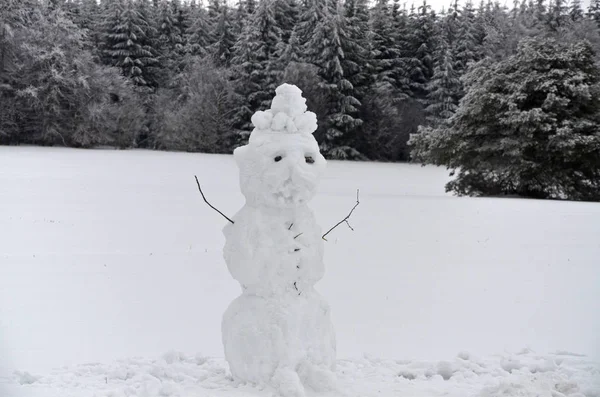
x: 278, y: 332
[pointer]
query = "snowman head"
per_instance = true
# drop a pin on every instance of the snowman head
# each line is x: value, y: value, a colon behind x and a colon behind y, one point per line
x: 281, y: 165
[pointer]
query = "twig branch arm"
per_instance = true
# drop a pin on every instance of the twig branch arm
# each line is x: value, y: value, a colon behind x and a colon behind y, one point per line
x: 345, y: 220
x: 209, y: 204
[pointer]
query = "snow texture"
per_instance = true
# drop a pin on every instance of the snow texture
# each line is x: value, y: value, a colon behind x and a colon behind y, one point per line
x: 279, y: 331
x: 110, y: 254
x: 176, y: 374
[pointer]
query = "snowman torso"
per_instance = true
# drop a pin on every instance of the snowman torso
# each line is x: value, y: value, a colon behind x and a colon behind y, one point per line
x: 274, y: 252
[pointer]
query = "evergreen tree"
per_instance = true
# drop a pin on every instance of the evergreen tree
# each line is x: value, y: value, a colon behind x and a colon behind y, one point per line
x: 149, y: 40
x: 422, y: 46
x: 222, y: 48
x: 292, y: 52
x: 540, y: 13
x: 466, y: 47
x: 528, y: 125
x: 240, y: 18
x: 310, y: 16
x: 358, y: 54
x: 181, y: 21
x: 593, y: 12
x: 199, y: 33
x: 124, y: 42
x: 339, y: 134
x: 444, y: 89
x: 214, y: 11
x: 250, y: 6
x: 576, y: 11
x: 254, y: 59
x: 286, y: 15
x: 388, y: 68
x: 556, y: 15
x: 169, y: 34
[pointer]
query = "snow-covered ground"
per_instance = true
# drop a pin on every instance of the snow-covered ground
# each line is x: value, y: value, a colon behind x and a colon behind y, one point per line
x: 108, y: 255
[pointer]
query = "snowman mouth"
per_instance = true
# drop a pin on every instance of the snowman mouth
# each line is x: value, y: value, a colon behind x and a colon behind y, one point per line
x: 288, y: 193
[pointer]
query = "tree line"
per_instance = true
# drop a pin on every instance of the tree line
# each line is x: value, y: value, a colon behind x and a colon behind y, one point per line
x: 175, y: 75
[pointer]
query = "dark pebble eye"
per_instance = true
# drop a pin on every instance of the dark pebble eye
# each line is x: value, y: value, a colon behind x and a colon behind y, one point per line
x: 277, y: 159
x: 309, y: 159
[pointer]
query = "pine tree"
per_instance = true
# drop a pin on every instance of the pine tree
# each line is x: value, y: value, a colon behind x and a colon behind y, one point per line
x: 540, y: 13
x: 388, y: 70
x: 466, y: 46
x: 225, y: 39
x: 420, y: 54
x: 240, y: 18
x: 214, y: 11
x: 556, y: 15
x: 339, y: 135
x: 199, y: 33
x: 181, y: 21
x: 593, y: 12
x: 124, y: 42
x: 358, y: 54
x: 310, y: 16
x: 255, y: 62
x: 529, y: 125
x: 444, y: 89
x: 286, y: 15
x: 576, y: 11
x: 170, y: 35
x: 292, y: 52
x: 149, y: 40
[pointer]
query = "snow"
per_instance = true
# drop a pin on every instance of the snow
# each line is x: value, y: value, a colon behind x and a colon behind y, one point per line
x: 288, y: 114
x: 177, y: 374
x: 107, y: 254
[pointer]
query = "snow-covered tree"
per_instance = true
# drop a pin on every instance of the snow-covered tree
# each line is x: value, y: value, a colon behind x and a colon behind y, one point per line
x: 421, y: 50
x: 557, y: 15
x: 60, y: 95
x: 338, y: 135
x: 465, y: 43
x: 444, y: 89
x: 169, y: 35
x: 286, y: 14
x: 528, y: 125
x: 358, y: 54
x: 311, y: 14
x: 223, y: 33
x: 593, y: 11
x: 576, y: 11
x: 124, y: 39
x: 199, y: 33
x: 385, y: 50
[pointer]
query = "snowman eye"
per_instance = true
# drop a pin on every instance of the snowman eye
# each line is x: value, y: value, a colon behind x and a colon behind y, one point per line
x: 309, y: 159
x: 277, y: 159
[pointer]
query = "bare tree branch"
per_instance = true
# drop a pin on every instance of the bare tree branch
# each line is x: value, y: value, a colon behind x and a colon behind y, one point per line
x: 348, y: 223
x: 209, y: 204
x: 345, y: 220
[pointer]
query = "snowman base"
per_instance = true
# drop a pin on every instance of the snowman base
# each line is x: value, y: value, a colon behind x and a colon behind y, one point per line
x: 285, y: 341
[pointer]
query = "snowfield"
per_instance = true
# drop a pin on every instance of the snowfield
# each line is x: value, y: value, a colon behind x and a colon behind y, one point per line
x: 111, y: 265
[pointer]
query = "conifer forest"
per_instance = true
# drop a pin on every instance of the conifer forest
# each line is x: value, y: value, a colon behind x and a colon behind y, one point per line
x: 507, y: 97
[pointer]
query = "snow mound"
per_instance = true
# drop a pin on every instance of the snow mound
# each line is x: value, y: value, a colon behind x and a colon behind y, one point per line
x: 25, y: 378
x: 181, y: 375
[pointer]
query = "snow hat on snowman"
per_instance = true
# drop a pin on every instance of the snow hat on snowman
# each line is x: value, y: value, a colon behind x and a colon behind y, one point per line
x: 288, y: 115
